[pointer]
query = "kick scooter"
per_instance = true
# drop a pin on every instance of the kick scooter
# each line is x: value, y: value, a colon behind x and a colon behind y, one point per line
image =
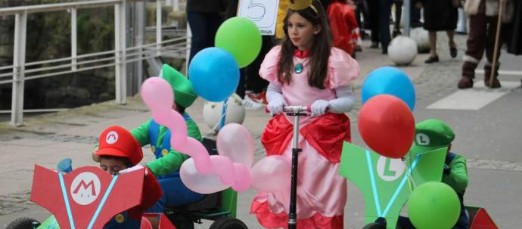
x: 296, y: 112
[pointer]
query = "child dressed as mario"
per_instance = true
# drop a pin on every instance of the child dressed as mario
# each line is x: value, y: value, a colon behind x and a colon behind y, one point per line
x: 117, y: 151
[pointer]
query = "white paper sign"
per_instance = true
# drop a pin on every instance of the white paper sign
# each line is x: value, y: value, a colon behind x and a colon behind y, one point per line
x: 262, y: 12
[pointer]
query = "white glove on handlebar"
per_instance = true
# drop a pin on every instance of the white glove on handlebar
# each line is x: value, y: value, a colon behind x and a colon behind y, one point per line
x: 319, y: 107
x: 275, y: 106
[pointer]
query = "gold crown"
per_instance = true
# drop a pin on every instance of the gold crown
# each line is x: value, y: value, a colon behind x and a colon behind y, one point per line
x: 299, y: 4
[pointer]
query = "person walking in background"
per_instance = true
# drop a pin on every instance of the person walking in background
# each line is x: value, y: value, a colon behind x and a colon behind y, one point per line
x: 483, y: 21
x: 204, y: 18
x: 439, y: 15
x: 343, y: 23
x: 307, y: 70
x: 379, y: 15
x: 414, y: 17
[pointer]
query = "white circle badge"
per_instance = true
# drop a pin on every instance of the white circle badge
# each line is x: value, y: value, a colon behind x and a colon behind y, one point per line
x: 112, y: 137
x: 389, y: 169
x: 85, y: 188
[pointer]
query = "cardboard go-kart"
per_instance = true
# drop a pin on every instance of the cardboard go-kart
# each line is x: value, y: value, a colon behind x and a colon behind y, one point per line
x: 387, y: 183
x: 88, y: 197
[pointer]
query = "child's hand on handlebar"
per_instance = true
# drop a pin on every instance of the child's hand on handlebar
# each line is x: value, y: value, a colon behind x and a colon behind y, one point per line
x: 319, y: 107
x: 275, y: 106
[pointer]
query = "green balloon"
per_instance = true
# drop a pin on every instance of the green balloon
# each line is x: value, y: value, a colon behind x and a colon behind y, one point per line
x: 434, y: 205
x: 241, y: 38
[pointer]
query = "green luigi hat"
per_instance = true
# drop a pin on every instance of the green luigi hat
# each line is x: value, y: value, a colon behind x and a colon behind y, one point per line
x: 184, y: 94
x: 431, y: 134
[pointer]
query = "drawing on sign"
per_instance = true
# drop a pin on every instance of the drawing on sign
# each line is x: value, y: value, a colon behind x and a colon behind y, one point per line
x: 262, y: 12
x: 85, y: 188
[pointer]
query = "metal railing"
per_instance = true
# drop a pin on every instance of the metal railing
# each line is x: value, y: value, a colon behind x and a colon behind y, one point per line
x: 22, y: 71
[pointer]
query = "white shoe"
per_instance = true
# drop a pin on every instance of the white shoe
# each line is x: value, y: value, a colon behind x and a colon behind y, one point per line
x: 250, y: 104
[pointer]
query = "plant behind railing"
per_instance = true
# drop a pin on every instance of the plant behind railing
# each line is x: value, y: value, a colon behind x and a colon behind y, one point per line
x: 69, y: 54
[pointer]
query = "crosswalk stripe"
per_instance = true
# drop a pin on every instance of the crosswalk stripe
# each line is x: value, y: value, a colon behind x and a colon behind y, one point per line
x: 474, y: 98
x: 502, y: 72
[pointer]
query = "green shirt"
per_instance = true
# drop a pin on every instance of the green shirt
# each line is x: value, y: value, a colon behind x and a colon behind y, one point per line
x: 173, y: 160
x: 458, y: 177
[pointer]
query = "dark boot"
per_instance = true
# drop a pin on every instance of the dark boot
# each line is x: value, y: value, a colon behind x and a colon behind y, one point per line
x: 468, y: 73
x: 487, y: 77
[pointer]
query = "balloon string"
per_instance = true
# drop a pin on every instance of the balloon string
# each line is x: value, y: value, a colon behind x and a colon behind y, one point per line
x: 374, y: 185
x: 213, y: 129
x: 401, y: 185
x: 223, y: 114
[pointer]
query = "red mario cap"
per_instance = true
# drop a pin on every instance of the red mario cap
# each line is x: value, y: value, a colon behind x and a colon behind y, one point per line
x: 119, y: 142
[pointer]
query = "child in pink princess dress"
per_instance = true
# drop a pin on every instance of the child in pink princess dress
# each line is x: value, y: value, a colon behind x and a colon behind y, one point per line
x: 306, y: 70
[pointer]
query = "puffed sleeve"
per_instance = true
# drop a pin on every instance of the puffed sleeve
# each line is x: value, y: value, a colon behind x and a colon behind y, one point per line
x: 342, y: 69
x: 268, y: 69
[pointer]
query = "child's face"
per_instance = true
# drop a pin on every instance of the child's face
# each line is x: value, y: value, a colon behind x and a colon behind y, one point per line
x: 112, y: 165
x: 301, y: 31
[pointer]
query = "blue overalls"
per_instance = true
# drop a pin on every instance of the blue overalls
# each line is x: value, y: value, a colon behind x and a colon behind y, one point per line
x: 122, y: 221
x: 175, y: 193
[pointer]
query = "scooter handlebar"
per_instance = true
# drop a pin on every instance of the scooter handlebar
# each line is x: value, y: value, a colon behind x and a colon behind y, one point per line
x: 297, y: 109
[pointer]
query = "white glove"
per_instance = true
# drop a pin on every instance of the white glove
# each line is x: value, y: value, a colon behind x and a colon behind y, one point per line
x: 275, y: 106
x: 319, y: 107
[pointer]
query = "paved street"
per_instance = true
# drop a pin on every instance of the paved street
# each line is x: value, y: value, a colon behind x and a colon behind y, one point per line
x: 487, y: 123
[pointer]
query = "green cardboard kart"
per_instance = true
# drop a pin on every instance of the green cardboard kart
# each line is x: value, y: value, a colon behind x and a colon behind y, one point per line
x: 387, y: 183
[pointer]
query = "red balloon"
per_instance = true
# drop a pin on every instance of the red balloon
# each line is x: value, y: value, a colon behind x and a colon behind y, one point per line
x: 387, y: 125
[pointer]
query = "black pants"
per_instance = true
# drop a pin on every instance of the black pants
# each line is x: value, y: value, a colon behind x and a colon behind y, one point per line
x: 249, y: 76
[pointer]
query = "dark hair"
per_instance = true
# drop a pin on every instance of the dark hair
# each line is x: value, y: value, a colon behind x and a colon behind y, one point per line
x: 125, y: 160
x: 319, y: 51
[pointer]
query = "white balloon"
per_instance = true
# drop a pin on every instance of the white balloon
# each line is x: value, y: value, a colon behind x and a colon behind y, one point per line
x: 402, y: 50
x: 421, y: 37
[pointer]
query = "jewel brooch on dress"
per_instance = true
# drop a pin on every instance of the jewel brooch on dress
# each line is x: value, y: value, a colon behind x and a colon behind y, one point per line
x: 298, y: 68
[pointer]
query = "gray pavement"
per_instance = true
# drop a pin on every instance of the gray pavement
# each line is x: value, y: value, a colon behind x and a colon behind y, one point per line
x: 488, y: 137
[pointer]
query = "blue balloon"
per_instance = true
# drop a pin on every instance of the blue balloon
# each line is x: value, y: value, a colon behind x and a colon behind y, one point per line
x: 391, y: 81
x: 214, y: 74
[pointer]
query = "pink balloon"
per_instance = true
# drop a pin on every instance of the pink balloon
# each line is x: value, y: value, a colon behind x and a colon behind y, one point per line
x: 223, y: 166
x: 198, y: 182
x: 271, y: 174
x: 198, y: 152
x: 176, y: 124
x: 158, y: 96
x: 235, y: 142
x: 157, y: 93
x: 203, y: 173
x: 242, y: 179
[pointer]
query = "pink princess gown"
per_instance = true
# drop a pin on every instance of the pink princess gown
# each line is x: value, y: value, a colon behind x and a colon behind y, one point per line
x: 321, y: 191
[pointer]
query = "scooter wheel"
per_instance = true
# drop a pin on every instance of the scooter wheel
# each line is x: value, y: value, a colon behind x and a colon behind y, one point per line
x: 23, y: 223
x: 228, y: 223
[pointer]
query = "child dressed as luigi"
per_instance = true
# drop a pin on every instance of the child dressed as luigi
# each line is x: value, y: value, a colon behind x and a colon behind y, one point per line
x: 117, y: 151
x: 433, y: 134
x: 168, y: 161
